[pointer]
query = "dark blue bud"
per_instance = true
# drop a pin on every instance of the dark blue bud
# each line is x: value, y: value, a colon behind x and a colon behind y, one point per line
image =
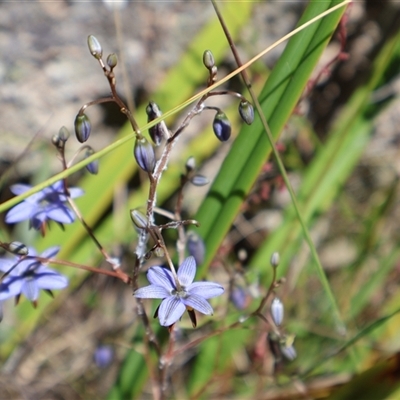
x: 222, y: 126
x: 92, y: 167
x: 82, y: 127
x: 94, y: 47
x: 144, y: 155
x: 246, y: 112
x: 156, y: 132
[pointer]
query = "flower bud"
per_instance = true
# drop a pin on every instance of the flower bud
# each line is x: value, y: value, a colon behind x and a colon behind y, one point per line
x: 156, y: 132
x: 208, y: 59
x: 82, y: 127
x: 17, y: 248
x: 63, y: 134
x: 190, y: 164
x: 196, y: 247
x: 92, y: 167
x: 277, y: 311
x: 199, y: 180
x: 275, y: 259
x: 222, y: 126
x: 246, y: 112
x: 144, y: 155
x: 103, y: 356
x: 139, y: 219
x: 287, y: 348
x: 94, y: 47
x: 112, y: 60
x: 239, y: 297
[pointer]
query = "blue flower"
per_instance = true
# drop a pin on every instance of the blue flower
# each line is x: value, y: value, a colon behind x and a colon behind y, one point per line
x: 45, y: 205
x: 28, y: 275
x: 103, y: 356
x: 176, y: 300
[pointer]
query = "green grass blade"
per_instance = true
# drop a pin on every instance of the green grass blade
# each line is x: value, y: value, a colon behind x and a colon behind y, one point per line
x: 251, y: 149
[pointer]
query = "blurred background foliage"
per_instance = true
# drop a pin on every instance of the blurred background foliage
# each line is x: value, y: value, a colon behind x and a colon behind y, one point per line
x: 337, y: 128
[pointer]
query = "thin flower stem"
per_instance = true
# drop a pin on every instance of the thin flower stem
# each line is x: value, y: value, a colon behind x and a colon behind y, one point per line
x: 89, y: 230
x: 119, y: 275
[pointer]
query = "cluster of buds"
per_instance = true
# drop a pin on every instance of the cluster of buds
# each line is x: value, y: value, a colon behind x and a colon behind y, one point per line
x: 280, y: 343
x: 221, y: 125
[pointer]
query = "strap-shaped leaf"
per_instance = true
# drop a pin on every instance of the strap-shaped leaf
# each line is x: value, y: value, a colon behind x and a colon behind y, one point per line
x: 251, y: 148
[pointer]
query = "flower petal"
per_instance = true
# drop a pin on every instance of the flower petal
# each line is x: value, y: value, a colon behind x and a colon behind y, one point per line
x: 19, y: 188
x: 30, y: 289
x: 10, y: 288
x: 60, y: 213
x: 75, y: 192
x: 20, y: 212
x: 47, y: 279
x: 50, y: 252
x: 207, y: 290
x: 152, y: 292
x: 198, y: 303
x: 187, y: 271
x: 171, y: 309
x: 161, y: 277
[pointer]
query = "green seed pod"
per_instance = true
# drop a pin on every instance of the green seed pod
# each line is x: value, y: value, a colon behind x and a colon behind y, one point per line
x: 208, y: 59
x: 112, y: 60
x: 82, y: 127
x: 94, y: 47
x: 246, y: 112
x: 139, y: 219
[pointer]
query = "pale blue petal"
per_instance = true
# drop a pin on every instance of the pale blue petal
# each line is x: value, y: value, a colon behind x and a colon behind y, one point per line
x: 198, y: 303
x: 32, y: 252
x: 46, y: 278
x: 207, y: 290
x: 187, y: 271
x: 20, y: 212
x: 171, y: 309
x: 19, y: 188
x: 60, y: 213
x: 30, y: 289
x: 161, y: 277
x: 152, y: 292
x: 6, y: 264
x: 75, y: 192
x: 10, y: 287
x: 51, y: 252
